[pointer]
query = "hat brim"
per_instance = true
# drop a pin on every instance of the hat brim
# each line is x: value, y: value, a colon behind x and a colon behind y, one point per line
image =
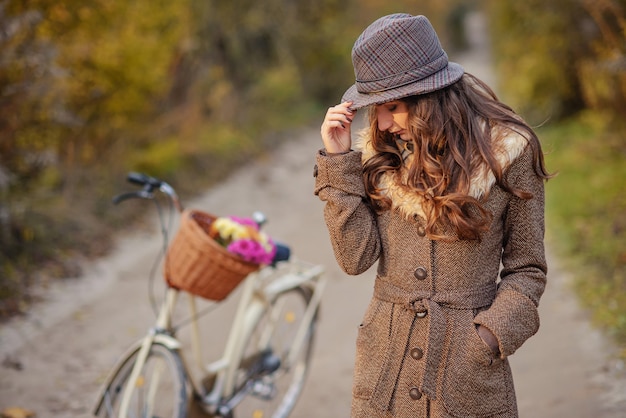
x: 447, y: 76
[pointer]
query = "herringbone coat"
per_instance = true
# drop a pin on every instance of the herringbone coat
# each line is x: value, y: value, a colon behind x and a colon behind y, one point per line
x: 418, y: 353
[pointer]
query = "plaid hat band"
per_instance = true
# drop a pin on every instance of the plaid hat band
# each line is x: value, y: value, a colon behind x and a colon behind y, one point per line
x: 402, y: 79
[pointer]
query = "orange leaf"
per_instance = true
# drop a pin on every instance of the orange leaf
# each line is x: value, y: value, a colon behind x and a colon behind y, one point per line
x: 16, y: 412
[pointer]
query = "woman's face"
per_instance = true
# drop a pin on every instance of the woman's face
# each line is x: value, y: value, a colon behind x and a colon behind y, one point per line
x: 392, y: 117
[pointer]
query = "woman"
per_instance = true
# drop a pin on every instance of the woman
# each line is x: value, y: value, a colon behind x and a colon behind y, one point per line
x: 444, y: 186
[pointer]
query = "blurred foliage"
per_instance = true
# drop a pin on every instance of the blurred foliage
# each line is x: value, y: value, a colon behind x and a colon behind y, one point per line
x: 84, y: 74
x: 537, y: 44
x: 77, y: 80
x: 558, y: 57
x: 603, y: 74
x: 586, y: 212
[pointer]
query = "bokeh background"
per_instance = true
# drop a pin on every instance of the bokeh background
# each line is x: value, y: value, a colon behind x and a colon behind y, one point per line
x: 189, y: 89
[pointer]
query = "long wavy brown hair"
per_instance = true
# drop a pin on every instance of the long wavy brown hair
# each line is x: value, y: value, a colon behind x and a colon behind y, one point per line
x: 452, y: 132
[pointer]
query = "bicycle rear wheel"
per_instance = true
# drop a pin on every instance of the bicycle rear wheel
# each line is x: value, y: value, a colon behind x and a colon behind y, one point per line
x: 274, y: 394
x: 159, y: 391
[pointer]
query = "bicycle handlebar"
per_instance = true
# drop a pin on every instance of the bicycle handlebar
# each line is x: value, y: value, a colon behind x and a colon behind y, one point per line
x: 130, y: 195
x: 150, y: 184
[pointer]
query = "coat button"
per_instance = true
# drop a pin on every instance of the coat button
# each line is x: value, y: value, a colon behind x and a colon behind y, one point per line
x: 421, y: 231
x: 415, y: 394
x: 315, y: 171
x: 417, y: 353
x: 420, y: 273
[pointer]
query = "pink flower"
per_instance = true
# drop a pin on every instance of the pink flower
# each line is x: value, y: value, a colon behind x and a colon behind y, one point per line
x: 252, y: 251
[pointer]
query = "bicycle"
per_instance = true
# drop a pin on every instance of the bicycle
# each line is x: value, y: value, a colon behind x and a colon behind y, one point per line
x: 267, y: 354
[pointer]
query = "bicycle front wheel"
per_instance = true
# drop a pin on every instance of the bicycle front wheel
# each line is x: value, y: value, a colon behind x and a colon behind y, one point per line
x: 274, y: 394
x: 159, y: 391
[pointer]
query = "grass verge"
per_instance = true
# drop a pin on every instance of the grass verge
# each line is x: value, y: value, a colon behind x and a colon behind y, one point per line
x: 586, y: 214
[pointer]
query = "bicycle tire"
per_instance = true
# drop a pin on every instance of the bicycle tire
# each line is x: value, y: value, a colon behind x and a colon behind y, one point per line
x: 170, y: 395
x: 275, y: 394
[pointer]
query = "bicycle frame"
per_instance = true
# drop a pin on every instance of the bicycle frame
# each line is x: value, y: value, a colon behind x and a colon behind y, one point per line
x: 259, y: 290
x: 255, y: 297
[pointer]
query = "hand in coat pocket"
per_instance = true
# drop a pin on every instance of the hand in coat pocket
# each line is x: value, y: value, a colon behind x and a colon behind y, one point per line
x: 489, y: 339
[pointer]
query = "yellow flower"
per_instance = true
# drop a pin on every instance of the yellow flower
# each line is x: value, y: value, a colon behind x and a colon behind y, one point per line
x: 241, y: 232
x: 229, y: 230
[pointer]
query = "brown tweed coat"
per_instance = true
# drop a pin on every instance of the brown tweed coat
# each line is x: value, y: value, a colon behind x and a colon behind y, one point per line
x: 418, y: 353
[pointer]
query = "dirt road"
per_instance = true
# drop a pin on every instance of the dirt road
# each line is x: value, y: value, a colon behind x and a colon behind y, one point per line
x: 54, y: 359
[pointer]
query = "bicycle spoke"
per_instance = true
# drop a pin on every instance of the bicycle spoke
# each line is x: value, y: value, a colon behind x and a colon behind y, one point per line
x: 275, y: 394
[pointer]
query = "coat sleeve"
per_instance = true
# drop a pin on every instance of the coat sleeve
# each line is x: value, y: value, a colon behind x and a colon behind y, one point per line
x: 513, y: 317
x: 350, y: 221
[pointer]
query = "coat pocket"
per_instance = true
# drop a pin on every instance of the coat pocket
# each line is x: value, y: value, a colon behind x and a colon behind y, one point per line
x: 476, y: 383
x: 372, y: 344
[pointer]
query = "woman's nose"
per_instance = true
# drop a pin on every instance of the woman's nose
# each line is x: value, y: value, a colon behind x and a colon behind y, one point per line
x: 385, y: 121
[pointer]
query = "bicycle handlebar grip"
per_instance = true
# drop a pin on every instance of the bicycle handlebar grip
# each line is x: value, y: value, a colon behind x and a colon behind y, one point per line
x: 283, y: 253
x: 143, y: 179
x: 136, y: 178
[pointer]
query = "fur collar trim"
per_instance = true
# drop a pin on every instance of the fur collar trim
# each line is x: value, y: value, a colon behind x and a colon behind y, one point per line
x: 509, y: 145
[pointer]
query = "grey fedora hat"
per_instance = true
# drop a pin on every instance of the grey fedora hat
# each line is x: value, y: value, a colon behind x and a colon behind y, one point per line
x: 398, y: 56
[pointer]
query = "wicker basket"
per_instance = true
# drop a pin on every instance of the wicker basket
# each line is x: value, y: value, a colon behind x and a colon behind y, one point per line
x: 197, y: 264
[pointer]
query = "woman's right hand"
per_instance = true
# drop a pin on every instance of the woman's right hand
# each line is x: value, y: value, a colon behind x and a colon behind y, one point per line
x: 336, y: 132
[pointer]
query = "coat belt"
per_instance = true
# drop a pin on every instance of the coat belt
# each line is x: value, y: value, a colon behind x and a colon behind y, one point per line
x: 428, y: 305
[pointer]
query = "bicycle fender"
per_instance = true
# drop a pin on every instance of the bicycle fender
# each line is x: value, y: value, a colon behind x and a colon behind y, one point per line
x: 167, y: 341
